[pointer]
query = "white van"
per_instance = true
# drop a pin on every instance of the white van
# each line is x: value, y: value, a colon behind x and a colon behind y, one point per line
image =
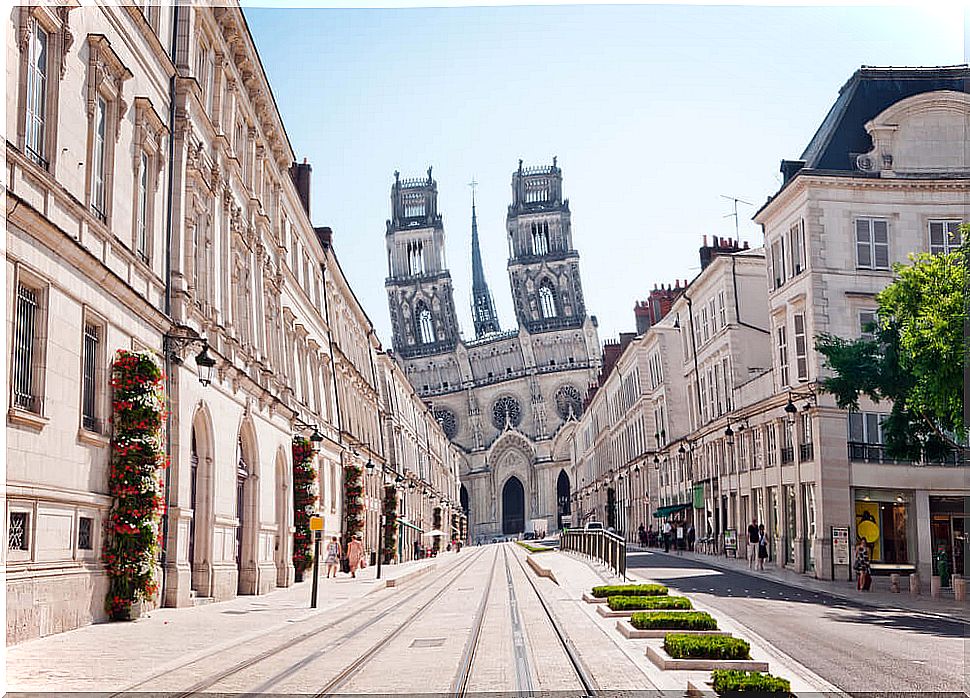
x: 593, y: 526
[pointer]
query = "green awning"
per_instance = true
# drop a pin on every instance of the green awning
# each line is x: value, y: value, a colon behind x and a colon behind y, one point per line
x: 668, y: 510
x: 405, y: 522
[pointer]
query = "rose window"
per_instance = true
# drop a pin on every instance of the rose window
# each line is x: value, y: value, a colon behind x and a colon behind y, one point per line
x: 506, y: 409
x: 568, y: 400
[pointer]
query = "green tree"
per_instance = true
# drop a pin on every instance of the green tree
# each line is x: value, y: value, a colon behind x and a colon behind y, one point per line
x: 915, y: 358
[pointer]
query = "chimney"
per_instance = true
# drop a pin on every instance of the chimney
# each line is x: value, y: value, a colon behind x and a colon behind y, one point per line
x: 300, y: 173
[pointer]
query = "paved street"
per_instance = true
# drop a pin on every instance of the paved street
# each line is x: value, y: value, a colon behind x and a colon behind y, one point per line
x: 858, y: 648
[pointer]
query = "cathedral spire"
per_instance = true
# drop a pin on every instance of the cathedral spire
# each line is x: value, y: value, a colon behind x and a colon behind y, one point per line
x: 483, y: 308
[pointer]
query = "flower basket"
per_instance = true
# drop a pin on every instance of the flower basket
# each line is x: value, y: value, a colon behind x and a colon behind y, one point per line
x: 304, y: 504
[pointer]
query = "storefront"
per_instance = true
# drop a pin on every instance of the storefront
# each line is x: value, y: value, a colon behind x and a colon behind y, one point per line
x: 948, y: 531
x: 885, y: 520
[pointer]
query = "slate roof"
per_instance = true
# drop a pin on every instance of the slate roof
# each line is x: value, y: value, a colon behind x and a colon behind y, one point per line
x: 867, y: 93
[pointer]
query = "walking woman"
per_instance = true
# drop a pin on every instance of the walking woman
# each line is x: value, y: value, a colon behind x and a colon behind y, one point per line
x: 355, y: 553
x: 862, y: 567
x: 762, y: 547
x: 333, y: 557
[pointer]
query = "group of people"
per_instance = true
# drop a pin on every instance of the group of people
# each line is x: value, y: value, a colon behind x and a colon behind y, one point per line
x: 757, y: 545
x: 334, y: 554
x: 679, y: 535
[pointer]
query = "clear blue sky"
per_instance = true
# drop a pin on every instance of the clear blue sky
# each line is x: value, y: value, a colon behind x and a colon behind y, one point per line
x: 654, y: 112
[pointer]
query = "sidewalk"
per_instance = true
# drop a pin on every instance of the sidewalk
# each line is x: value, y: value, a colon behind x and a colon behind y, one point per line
x: 878, y: 597
x: 113, y: 656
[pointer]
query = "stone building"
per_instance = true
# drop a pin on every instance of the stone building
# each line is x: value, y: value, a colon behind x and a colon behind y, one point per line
x: 886, y: 175
x: 170, y: 218
x: 506, y: 396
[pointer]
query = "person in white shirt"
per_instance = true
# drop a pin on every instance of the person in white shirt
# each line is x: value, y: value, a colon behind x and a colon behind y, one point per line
x: 666, y: 535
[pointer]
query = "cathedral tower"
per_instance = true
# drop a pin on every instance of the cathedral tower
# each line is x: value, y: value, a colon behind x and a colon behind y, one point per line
x: 543, y: 266
x: 483, y: 307
x: 419, y: 291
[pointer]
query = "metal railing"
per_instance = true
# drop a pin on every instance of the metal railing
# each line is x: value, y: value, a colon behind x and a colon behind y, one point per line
x: 606, y: 547
x: 860, y: 452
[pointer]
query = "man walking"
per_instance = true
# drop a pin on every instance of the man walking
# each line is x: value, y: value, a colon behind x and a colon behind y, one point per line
x: 754, y: 536
x: 666, y: 536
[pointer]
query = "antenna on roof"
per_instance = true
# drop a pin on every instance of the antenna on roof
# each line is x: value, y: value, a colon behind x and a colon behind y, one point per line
x: 734, y: 215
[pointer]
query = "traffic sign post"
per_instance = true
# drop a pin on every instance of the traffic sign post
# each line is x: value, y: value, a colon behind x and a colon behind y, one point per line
x: 316, y: 525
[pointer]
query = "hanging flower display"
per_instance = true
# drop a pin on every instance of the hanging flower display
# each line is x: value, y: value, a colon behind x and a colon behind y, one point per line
x: 304, y: 503
x: 390, y: 523
x: 134, y: 481
x: 353, y: 500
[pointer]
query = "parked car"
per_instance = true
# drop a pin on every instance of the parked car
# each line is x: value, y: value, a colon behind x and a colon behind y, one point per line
x: 529, y: 535
x: 593, y: 526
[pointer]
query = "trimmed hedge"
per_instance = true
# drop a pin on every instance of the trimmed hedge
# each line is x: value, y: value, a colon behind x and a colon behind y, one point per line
x: 673, y: 621
x: 706, y: 647
x: 730, y: 681
x: 533, y: 548
x: 636, y: 603
x: 630, y: 590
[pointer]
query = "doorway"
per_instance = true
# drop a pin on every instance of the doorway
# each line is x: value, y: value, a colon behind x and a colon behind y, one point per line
x: 562, y: 498
x: 513, y: 507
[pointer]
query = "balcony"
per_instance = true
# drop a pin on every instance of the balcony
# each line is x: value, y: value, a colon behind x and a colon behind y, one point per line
x: 876, y: 453
x: 806, y: 452
x: 787, y: 455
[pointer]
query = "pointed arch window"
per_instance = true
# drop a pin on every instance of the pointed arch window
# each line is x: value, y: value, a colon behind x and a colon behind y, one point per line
x: 540, y: 238
x: 547, y: 300
x: 415, y: 258
x: 425, y: 324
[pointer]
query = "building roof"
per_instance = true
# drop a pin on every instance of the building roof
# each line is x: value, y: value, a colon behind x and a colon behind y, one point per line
x: 865, y: 95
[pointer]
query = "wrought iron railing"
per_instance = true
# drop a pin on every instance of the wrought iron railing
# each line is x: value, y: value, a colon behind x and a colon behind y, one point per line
x: 877, y: 453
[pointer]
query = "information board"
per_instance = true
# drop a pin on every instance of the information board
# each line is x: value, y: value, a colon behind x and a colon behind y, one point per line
x: 730, y: 540
x: 840, y: 545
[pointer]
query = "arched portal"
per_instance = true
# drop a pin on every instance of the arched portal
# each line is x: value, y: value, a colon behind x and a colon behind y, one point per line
x: 513, y: 507
x: 562, y: 497
x: 200, y: 500
x: 247, y: 514
x: 463, y: 497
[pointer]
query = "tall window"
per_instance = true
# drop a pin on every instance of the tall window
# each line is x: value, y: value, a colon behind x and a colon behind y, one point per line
x: 778, y: 261
x: 801, y: 348
x: 141, y: 220
x: 37, y: 65
x: 872, y: 243
x: 705, y: 328
x: 25, y: 388
x: 782, y: 337
x: 721, y: 310
x: 540, y: 238
x: 796, y: 245
x: 89, y: 403
x: 425, y: 325
x: 547, y: 300
x: 99, y: 172
x: 944, y: 236
x: 867, y: 321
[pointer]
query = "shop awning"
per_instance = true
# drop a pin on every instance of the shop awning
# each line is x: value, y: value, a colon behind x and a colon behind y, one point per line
x: 668, y: 510
x: 405, y: 522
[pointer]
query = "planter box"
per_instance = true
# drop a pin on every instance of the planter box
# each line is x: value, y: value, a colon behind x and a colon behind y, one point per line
x: 659, y: 656
x: 608, y: 612
x: 589, y: 598
x: 628, y: 631
x: 705, y: 690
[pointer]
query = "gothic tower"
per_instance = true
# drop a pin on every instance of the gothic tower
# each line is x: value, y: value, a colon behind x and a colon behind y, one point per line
x: 483, y: 308
x: 543, y: 266
x: 419, y: 292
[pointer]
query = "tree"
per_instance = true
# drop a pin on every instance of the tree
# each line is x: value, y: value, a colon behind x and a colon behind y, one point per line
x: 915, y: 357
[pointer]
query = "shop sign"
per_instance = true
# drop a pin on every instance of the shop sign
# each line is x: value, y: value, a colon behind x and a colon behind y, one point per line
x: 840, y: 545
x: 698, y: 496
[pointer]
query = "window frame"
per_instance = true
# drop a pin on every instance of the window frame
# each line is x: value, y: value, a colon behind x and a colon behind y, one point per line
x: 148, y: 163
x: 801, y: 347
x: 871, y: 244
x: 948, y: 245
x: 93, y: 423
x: 38, y: 351
x: 781, y: 344
x: 796, y: 246
x: 26, y: 553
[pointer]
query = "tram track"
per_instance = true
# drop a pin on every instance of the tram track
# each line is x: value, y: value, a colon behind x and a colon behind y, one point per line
x: 201, y: 687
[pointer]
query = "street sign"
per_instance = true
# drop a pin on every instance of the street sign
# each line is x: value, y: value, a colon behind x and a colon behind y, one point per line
x: 840, y: 545
x: 316, y: 523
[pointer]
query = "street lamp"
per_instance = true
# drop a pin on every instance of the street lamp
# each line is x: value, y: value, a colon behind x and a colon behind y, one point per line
x: 729, y: 435
x: 791, y: 410
x: 186, y: 338
x: 315, y: 437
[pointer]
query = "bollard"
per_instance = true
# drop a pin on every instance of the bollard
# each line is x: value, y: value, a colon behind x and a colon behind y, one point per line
x: 894, y: 583
x: 959, y: 588
x: 914, y: 584
x: 936, y: 587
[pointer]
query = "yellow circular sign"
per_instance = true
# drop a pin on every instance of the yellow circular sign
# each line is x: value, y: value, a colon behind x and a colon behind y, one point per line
x: 868, y: 530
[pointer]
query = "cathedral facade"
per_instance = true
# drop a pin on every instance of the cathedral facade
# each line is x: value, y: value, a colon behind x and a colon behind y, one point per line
x: 509, y: 398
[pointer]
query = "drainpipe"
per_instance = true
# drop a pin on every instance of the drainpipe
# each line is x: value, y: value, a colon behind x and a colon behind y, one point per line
x: 166, y: 349
x: 333, y: 366
x: 737, y: 302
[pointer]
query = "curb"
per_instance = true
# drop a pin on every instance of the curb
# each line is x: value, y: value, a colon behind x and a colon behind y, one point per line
x: 715, y: 562
x: 540, y: 570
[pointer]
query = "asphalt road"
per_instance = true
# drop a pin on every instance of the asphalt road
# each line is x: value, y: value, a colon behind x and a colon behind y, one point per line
x: 862, y: 650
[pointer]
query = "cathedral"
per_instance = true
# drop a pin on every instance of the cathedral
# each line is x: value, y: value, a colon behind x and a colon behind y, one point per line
x: 509, y: 398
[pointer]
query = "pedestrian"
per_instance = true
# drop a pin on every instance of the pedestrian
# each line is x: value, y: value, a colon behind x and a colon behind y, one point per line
x: 417, y: 550
x: 666, y: 536
x: 862, y: 567
x: 333, y: 557
x: 355, y: 554
x: 691, y: 537
x: 642, y: 536
x: 753, y: 538
x: 762, y: 547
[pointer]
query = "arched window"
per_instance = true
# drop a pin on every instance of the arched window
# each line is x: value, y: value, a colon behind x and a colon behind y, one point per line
x: 425, y: 324
x: 540, y: 238
x: 547, y: 301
